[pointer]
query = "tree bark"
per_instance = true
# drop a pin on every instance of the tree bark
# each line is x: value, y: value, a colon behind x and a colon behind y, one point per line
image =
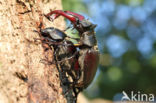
x: 22, y: 77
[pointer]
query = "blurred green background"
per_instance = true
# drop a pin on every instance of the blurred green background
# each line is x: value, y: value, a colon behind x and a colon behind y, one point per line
x: 126, y: 35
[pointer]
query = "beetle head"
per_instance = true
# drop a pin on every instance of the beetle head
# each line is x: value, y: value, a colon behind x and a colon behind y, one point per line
x: 87, y: 25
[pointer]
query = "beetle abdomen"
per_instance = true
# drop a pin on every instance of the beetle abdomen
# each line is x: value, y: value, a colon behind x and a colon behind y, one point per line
x: 88, y: 61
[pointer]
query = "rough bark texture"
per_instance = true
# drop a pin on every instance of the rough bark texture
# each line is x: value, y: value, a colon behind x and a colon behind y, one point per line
x: 22, y: 77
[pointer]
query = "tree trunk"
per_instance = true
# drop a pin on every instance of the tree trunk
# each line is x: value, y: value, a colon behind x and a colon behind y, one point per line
x: 23, y: 78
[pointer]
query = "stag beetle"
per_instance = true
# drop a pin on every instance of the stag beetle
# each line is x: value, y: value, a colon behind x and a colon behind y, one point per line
x: 79, y: 61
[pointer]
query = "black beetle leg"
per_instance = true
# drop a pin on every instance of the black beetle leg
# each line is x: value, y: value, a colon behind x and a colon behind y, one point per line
x: 55, y: 52
x: 78, y: 75
x: 68, y: 57
x: 77, y: 91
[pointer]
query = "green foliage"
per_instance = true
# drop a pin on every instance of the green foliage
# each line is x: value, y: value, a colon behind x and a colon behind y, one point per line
x: 130, y: 2
x: 153, y: 61
x: 74, y: 5
x: 114, y: 73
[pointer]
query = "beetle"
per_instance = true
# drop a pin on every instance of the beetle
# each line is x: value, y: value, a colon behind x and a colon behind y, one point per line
x: 80, y: 61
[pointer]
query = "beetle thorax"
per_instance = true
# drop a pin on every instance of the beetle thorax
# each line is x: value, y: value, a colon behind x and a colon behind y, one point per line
x: 88, y: 39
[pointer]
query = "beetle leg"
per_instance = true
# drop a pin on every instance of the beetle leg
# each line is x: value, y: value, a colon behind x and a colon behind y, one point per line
x: 70, y: 93
x: 68, y: 57
x: 78, y: 75
x: 77, y: 91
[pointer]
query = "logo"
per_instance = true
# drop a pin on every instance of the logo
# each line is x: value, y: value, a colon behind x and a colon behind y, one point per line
x: 137, y: 97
